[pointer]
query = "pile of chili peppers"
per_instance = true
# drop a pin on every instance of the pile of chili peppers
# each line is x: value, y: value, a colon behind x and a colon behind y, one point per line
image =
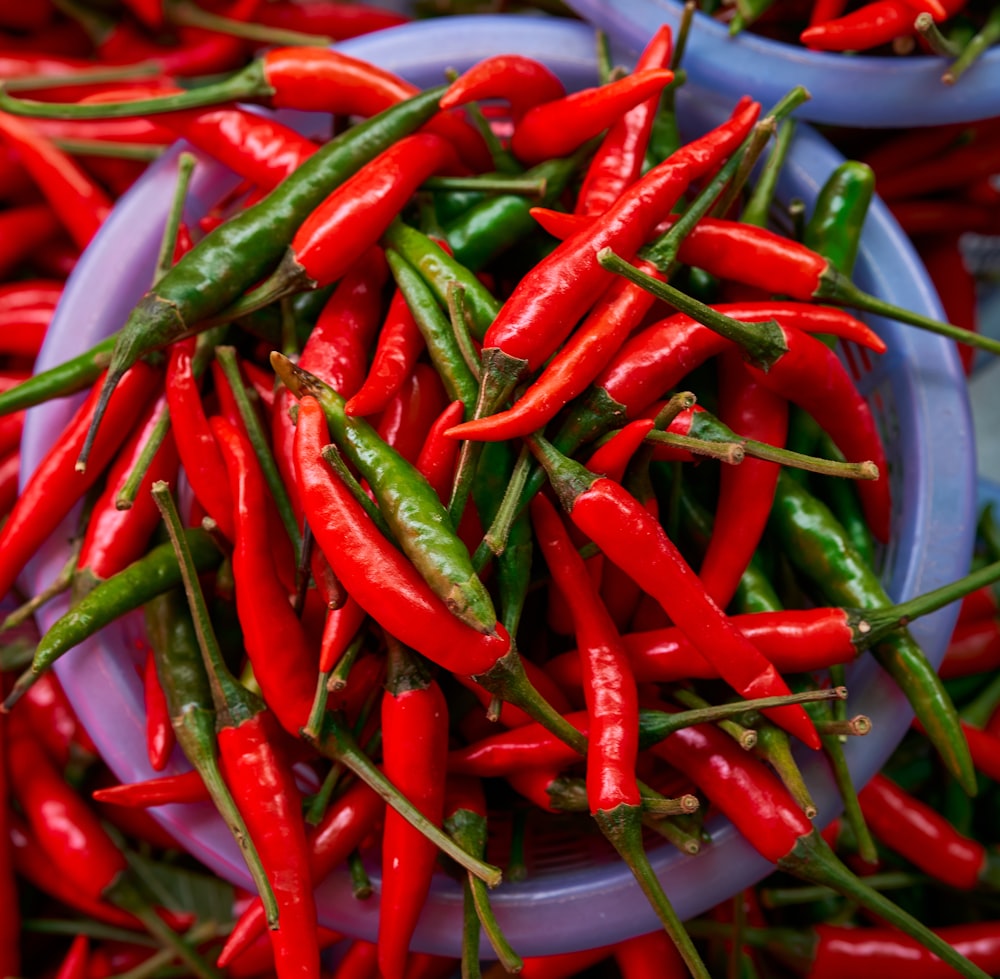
x: 470, y: 479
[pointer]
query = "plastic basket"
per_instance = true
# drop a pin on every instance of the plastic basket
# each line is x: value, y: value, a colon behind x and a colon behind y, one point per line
x: 572, y: 899
x: 847, y: 90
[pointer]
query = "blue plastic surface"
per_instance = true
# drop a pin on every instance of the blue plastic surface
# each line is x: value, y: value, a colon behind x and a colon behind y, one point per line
x: 933, y: 480
x: 847, y: 90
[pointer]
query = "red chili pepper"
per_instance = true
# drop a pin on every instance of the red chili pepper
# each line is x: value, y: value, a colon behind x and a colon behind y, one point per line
x: 10, y: 921
x: 522, y: 82
x: 609, y: 687
x: 115, y: 538
x: 159, y: 729
x: 360, y: 962
x: 407, y: 419
x: 356, y: 214
x: 337, y: 348
x: 439, y: 454
x: 30, y: 294
x: 399, y: 345
x: 746, y: 491
x: 24, y: 230
x: 979, y: 604
x: 829, y: 951
x: 79, y: 203
x: 75, y: 962
x: 974, y: 647
x: 365, y: 561
x: 984, y: 746
x: 11, y: 427
x: 55, y: 486
x: 549, y: 301
x: 955, y: 284
x: 941, y: 217
x: 825, y: 10
x: 607, y: 326
x: 343, y: 828
x: 268, y: 621
x: 651, y: 956
x: 199, y: 452
x: 22, y: 17
x: 880, y: 22
x: 611, y: 458
x: 10, y: 468
x: 560, y: 127
x: 50, y: 716
x: 33, y: 864
x: 617, y: 162
x: 336, y: 20
x: 163, y: 791
x: 268, y: 799
x: 923, y: 836
x: 414, y: 758
x: 564, y: 965
x: 624, y: 530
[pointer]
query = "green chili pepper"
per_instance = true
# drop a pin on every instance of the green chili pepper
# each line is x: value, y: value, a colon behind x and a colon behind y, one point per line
x: 838, y: 216
x: 820, y: 550
x: 153, y: 574
x: 418, y: 520
x: 244, y: 249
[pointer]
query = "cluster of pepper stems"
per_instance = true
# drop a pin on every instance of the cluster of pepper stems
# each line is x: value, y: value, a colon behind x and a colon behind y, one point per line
x: 423, y: 560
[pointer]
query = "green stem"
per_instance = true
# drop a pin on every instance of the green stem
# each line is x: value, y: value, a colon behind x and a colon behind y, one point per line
x: 745, y: 737
x: 336, y: 462
x: 813, y: 861
x: 130, y: 488
x: 988, y: 36
x: 535, y: 187
x: 936, y: 41
x: 168, y: 243
x: 774, y: 746
x: 813, y: 464
x: 154, y: 965
x: 460, y: 327
x: 838, y: 288
x: 84, y: 76
x: 759, y: 137
x: 683, y: 31
x: 188, y: 15
x: 361, y: 885
x: 57, y: 586
x: 495, y: 539
x: 758, y: 207
x: 622, y: 826
x: 783, y: 897
x: 144, y: 152
x: 857, y: 726
x: 763, y: 343
x: 731, y: 453
x: 334, y: 741
x: 227, y: 359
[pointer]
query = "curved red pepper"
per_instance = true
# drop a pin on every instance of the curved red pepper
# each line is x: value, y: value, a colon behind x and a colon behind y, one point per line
x: 651, y: 956
x: 522, y: 82
x: 974, y: 647
x: 374, y: 571
x: 160, y: 738
x: 162, y: 791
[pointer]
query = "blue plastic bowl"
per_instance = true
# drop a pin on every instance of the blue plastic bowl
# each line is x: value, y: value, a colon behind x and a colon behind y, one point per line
x: 572, y: 903
x: 847, y: 90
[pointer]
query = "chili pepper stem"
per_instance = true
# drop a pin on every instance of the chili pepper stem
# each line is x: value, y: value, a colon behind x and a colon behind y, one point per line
x: 988, y: 36
x: 469, y: 830
x: 836, y: 287
x: 872, y: 625
x: 185, y: 14
x: 130, y: 488
x: 249, y: 83
x: 731, y: 453
x: 623, y: 828
x: 168, y: 243
x: 94, y: 76
x: 288, y: 279
x: 125, y: 894
x: 763, y: 343
x: 813, y: 464
x: 335, y: 742
x: 495, y: 539
x: 925, y: 26
x: 57, y: 586
x: 812, y: 860
x: 508, y: 681
x: 470, y: 933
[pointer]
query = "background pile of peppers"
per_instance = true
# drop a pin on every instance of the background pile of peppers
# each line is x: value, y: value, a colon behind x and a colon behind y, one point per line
x: 81, y: 857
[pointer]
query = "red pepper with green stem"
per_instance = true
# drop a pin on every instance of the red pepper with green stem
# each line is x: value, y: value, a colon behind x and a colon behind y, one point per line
x: 414, y: 759
x: 613, y: 712
x: 72, y: 836
x: 924, y: 837
x: 807, y: 372
x: 746, y: 490
x: 617, y: 162
x: 354, y: 216
x: 345, y: 825
x: 252, y: 764
x: 397, y: 349
x: 365, y: 561
x: 626, y: 533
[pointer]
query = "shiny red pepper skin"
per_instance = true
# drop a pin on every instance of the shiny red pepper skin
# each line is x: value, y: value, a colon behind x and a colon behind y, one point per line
x: 159, y: 729
x: 74, y: 963
x: 343, y: 828
x: 549, y: 301
x: 356, y: 214
x: 407, y: 418
x: 264, y: 789
x: 198, y: 450
x: 560, y: 127
x: 618, y: 161
x: 746, y: 491
x: 115, y: 538
x: 886, y: 953
x: 162, y: 791
x: 651, y: 956
x: 608, y: 684
x: 794, y: 641
x: 55, y: 486
x: 974, y: 647
x: 920, y: 834
x: 24, y: 230
x: 522, y: 82
x: 67, y: 830
x: 439, y: 454
x: 414, y: 758
x: 629, y: 537
x: 79, y: 202
x: 268, y: 620
x: 374, y: 571
x: 400, y: 343
x: 50, y: 716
